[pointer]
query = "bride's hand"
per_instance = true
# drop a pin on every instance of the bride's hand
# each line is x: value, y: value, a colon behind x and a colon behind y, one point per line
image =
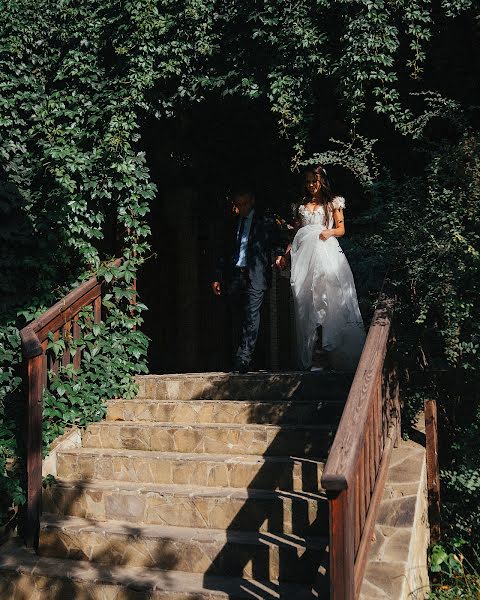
x: 326, y: 233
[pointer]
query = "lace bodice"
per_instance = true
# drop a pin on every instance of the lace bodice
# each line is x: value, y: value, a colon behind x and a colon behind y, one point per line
x: 317, y: 217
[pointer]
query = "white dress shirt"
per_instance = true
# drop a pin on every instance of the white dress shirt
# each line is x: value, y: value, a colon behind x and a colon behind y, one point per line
x: 242, y: 256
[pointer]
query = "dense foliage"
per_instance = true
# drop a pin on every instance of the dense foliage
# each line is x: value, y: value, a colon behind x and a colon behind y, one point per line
x: 454, y: 575
x: 79, y: 82
x: 433, y: 234
x: 75, y: 193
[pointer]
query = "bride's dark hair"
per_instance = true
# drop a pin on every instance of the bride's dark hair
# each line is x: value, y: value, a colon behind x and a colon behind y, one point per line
x: 326, y: 193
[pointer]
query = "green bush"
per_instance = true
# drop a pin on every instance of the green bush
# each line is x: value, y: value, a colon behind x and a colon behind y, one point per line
x: 71, y: 173
x: 455, y: 576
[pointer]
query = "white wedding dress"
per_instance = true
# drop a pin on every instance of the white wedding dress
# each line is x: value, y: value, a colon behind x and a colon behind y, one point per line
x: 324, y: 293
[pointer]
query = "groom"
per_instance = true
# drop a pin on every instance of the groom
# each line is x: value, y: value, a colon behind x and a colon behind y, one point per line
x: 244, y: 266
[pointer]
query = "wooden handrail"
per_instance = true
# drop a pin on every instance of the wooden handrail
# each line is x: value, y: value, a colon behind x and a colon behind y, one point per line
x: 354, y: 476
x: 60, y: 319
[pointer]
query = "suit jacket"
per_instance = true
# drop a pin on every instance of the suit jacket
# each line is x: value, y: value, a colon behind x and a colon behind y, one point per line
x: 264, y: 241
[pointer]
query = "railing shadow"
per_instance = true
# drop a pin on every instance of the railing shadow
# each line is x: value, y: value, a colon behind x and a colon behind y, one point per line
x: 288, y: 533
x: 293, y: 541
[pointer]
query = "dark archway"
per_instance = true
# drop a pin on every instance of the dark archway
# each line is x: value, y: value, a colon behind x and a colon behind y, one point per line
x: 193, y: 160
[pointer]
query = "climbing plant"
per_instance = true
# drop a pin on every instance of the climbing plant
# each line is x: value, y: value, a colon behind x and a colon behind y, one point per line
x: 76, y: 193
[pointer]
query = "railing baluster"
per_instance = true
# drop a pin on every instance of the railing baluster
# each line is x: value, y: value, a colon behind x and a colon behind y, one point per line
x: 76, y: 336
x: 375, y: 435
x: 66, y: 332
x: 373, y: 457
x: 97, y: 309
x: 362, y: 480
x: 356, y: 513
x: 381, y: 406
x: 368, y: 463
x: 380, y: 424
x: 45, y: 365
x: 55, y: 362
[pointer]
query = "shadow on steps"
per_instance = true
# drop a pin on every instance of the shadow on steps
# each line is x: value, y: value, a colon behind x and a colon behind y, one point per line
x: 285, y: 554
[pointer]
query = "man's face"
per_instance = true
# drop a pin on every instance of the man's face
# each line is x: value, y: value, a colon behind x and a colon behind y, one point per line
x: 244, y: 203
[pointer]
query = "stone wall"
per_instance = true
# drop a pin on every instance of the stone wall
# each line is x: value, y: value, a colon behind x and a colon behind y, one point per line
x: 397, y: 562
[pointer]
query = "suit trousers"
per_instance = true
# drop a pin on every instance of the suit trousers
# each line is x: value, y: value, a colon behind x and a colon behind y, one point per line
x: 246, y: 303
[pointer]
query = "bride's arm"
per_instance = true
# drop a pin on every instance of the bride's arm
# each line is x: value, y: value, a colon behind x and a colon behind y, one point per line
x: 339, y: 219
x: 339, y: 229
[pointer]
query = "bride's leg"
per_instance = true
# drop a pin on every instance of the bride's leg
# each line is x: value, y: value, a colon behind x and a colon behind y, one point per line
x: 320, y: 356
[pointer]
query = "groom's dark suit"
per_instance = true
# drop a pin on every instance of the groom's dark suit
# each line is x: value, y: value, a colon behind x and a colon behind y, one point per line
x: 245, y: 286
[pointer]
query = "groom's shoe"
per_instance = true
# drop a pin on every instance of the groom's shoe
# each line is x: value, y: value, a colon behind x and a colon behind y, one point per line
x: 240, y: 367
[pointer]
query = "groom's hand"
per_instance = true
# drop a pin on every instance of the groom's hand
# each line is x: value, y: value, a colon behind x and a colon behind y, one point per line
x: 217, y: 288
x: 280, y: 263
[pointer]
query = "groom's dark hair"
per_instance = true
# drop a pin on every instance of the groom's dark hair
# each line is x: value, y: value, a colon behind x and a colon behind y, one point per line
x: 241, y: 188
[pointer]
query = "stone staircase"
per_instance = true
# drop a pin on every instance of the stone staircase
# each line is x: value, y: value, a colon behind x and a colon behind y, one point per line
x: 204, y: 487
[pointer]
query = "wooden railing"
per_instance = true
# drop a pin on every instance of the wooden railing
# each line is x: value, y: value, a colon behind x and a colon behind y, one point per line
x: 60, y: 320
x: 354, y: 476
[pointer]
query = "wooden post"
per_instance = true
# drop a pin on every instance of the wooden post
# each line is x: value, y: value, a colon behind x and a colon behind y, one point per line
x: 57, y: 320
x: 433, y: 471
x: 35, y: 371
x: 34, y: 450
x: 342, y: 542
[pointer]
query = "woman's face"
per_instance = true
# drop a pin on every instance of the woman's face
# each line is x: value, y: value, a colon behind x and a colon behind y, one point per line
x: 313, y: 183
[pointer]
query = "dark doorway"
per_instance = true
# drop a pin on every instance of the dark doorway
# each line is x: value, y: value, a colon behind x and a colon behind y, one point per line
x: 193, y: 160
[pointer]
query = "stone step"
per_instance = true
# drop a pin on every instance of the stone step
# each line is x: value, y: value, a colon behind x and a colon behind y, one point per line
x: 318, y: 385
x: 23, y: 575
x: 226, y: 411
x: 217, y: 470
x: 298, y: 440
x: 259, y: 555
x: 301, y: 513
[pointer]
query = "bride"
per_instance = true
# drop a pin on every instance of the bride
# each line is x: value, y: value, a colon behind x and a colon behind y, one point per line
x: 321, y: 280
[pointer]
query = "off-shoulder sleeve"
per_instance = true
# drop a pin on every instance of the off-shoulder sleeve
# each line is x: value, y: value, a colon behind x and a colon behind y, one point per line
x: 338, y: 202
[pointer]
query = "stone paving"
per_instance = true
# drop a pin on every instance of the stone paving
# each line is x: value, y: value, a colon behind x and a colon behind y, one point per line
x: 217, y: 552
x: 200, y: 507
x: 223, y: 411
x: 26, y: 576
x: 251, y: 386
x: 265, y: 472
x: 210, y: 438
